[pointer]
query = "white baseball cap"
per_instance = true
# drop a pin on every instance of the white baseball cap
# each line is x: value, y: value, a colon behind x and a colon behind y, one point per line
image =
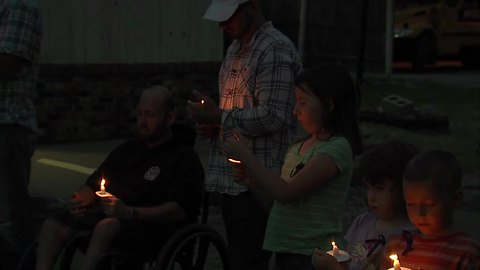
x: 222, y: 10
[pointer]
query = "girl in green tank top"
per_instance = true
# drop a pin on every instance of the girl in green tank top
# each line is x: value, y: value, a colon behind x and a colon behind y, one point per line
x: 309, y: 195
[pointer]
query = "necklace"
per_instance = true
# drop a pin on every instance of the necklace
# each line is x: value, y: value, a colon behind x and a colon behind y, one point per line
x: 308, y: 143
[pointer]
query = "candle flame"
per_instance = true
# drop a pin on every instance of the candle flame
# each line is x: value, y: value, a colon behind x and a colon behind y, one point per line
x: 333, y: 243
x: 203, y: 101
x: 102, y: 183
x: 234, y: 160
x: 393, y: 257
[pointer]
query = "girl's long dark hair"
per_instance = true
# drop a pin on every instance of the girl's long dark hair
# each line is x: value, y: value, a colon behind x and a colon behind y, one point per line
x: 334, y: 83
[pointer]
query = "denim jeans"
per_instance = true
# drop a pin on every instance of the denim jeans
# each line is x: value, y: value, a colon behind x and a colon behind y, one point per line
x: 17, y: 145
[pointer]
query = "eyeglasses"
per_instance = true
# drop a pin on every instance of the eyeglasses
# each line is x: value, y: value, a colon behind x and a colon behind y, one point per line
x: 297, y: 169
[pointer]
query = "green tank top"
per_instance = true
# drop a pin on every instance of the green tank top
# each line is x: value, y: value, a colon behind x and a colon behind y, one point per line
x: 312, y: 221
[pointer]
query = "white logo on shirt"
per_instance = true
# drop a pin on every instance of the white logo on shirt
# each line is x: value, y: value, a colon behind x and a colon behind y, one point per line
x: 152, y: 173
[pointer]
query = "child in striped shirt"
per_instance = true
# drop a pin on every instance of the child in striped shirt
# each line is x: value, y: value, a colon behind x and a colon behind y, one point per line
x: 432, y: 190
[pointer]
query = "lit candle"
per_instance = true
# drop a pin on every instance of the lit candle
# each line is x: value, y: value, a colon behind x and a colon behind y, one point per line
x: 103, y: 192
x: 396, y: 262
x: 338, y: 254
x: 203, y: 101
x: 234, y: 160
x: 334, y: 249
x: 102, y: 186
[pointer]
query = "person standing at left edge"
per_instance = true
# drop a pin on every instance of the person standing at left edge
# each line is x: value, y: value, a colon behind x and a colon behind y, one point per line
x: 20, y: 38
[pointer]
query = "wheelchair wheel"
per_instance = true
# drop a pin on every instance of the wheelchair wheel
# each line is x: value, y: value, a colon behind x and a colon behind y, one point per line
x: 27, y: 261
x: 189, y: 249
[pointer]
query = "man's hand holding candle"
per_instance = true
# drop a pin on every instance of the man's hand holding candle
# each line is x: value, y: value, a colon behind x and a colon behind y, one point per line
x: 77, y: 206
x: 80, y: 200
x: 206, y: 115
x: 114, y: 207
x: 204, y: 110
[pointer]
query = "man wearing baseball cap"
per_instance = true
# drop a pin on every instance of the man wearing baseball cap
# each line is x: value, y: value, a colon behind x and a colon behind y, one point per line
x: 221, y: 10
x: 256, y: 98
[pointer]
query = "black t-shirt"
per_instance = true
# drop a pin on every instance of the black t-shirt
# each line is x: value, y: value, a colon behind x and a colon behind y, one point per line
x: 145, y: 177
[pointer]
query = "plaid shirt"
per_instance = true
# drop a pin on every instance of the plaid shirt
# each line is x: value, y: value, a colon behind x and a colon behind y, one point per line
x: 20, y: 35
x: 256, y: 83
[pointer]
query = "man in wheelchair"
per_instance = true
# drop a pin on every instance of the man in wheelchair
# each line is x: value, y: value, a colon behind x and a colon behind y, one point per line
x: 156, y: 182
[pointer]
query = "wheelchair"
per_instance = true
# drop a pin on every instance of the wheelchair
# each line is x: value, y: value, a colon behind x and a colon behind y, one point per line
x: 188, y: 248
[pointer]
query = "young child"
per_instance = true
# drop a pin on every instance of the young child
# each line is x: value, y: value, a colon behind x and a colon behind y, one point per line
x: 311, y: 192
x: 432, y: 189
x: 381, y: 169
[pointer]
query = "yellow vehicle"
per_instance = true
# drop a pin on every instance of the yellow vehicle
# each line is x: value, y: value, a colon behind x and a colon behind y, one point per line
x: 427, y: 30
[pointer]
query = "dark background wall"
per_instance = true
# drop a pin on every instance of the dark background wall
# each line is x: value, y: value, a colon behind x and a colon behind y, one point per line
x: 333, y: 30
x: 96, y: 101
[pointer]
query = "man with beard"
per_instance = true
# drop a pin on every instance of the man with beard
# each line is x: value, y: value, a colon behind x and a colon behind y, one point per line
x: 256, y: 97
x: 155, y: 182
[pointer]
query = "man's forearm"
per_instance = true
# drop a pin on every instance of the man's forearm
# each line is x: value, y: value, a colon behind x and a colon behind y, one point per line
x: 260, y: 120
x: 169, y: 212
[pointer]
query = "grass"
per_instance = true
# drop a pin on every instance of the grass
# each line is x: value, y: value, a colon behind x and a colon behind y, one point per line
x: 461, y: 105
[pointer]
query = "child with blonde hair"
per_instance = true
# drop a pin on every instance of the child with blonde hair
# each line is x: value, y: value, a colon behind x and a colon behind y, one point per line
x: 432, y: 190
